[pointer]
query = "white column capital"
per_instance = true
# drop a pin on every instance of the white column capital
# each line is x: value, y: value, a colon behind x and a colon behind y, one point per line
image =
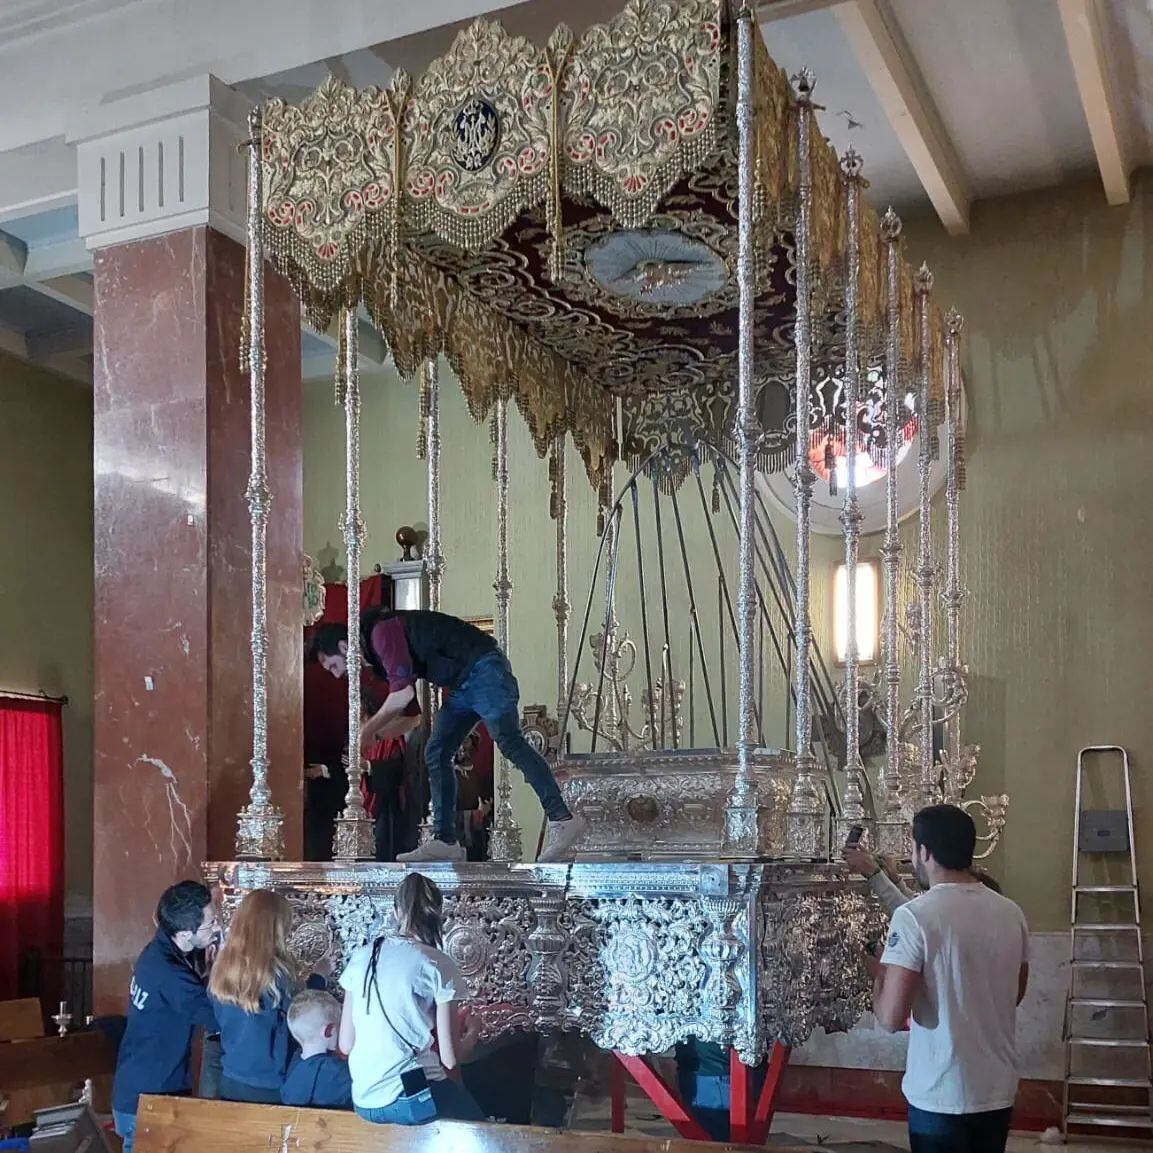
x: 161, y: 161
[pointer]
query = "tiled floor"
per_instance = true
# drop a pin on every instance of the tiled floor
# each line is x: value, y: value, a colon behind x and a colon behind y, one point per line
x: 821, y: 1134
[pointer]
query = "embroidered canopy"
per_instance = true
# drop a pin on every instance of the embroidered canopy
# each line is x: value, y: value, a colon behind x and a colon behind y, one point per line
x: 561, y: 224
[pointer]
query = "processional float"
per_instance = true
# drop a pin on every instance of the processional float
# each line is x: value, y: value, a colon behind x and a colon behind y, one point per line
x: 639, y: 238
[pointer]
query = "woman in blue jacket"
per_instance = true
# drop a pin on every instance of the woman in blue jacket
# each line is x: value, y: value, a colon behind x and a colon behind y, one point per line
x: 252, y: 984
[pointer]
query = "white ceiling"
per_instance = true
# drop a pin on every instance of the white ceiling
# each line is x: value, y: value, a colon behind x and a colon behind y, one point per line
x: 995, y: 94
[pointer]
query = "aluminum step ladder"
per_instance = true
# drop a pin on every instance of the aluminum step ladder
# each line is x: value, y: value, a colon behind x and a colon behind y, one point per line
x: 1108, y: 1073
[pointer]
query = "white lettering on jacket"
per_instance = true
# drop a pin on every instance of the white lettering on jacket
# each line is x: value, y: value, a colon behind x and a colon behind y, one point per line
x: 137, y: 994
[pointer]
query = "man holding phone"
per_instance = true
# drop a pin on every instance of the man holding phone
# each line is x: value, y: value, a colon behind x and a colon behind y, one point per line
x: 956, y: 960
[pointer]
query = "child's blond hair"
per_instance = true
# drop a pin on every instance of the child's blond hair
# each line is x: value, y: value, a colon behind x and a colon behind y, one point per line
x: 308, y: 1006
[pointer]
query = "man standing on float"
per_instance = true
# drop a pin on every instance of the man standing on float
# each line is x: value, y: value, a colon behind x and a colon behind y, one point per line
x: 403, y: 647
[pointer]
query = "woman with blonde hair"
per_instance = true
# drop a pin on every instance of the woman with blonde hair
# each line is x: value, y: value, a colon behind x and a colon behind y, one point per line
x: 402, y: 1027
x: 252, y: 984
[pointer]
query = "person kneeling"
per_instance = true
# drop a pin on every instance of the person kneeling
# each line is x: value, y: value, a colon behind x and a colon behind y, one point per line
x: 401, y: 995
x: 318, y: 1077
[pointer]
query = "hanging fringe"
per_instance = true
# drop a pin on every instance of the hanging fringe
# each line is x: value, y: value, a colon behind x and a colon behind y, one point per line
x: 425, y: 408
x: 340, y: 378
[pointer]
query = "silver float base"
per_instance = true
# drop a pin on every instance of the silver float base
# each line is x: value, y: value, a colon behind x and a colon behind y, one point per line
x: 636, y: 956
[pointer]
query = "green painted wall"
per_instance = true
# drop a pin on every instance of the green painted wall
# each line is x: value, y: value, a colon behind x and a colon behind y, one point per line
x: 46, y: 573
x: 1057, y: 535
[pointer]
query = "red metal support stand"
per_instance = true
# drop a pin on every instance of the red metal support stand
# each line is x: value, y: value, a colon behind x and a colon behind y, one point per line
x: 747, y: 1125
x: 663, y: 1097
x: 617, y: 1095
x: 740, y: 1103
x: 767, y: 1102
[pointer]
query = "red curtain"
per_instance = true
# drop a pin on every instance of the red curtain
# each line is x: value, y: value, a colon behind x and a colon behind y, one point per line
x: 31, y: 833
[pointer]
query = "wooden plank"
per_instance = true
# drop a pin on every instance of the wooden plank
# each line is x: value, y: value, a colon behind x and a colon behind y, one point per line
x: 24, y: 1103
x: 888, y: 64
x: 1084, y: 34
x: 55, y: 1060
x: 21, y: 1020
x: 189, y: 1125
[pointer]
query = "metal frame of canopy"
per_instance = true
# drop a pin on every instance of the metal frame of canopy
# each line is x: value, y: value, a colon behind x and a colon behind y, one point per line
x: 391, y: 201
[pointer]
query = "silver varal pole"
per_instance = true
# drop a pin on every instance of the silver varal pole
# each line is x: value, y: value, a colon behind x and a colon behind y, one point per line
x: 353, y: 839
x: 954, y: 593
x: 433, y: 555
x: 926, y: 567
x: 260, y: 825
x: 805, y: 832
x: 742, y: 837
x: 560, y: 605
x: 853, y: 798
x: 504, y: 839
x: 893, y: 830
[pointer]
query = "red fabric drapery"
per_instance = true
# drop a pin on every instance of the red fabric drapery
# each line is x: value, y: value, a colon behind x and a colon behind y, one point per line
x: 31, y: 833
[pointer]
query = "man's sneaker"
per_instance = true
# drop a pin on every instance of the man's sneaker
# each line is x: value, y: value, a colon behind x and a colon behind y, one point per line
x: 432, y: 851
x: 561, y: 837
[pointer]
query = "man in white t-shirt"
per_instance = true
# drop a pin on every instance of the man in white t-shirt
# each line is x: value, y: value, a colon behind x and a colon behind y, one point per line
x: 956, y: 960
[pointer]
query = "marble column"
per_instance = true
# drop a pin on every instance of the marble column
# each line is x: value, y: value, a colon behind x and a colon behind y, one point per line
x: 173, y: 686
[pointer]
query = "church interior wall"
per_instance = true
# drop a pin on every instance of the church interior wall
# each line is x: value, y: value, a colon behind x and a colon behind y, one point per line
x: 46, y: 614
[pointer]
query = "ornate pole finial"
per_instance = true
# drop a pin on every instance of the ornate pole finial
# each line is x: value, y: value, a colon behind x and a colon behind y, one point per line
x: 803, y: 84
x: 890, y: 225
x: 923, y: 279
x: 852, y: 165
x: 954, y: 322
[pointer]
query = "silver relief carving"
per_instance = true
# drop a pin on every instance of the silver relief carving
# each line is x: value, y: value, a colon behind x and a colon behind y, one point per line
x: 636, y: 956
x: 670, y: 804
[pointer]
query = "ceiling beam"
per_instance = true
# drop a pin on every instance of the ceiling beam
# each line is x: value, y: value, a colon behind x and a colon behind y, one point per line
x: 372, y: 347
x: 59, y: 342
x: 13, y: 343
x: 888, y: 64
x: 1083, y: 21
x: 13, y: 257
x: 64, y: 258
x: 771, y: 10
x: 74, y: 291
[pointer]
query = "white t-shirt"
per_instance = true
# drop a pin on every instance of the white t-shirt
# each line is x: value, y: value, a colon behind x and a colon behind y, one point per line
x: 412, y: 979
x: 968, y: 943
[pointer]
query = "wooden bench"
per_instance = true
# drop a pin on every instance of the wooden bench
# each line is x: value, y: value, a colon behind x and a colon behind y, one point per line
x: 21, y: 1020
x: 189, y: 1125
x: 51, y: 1071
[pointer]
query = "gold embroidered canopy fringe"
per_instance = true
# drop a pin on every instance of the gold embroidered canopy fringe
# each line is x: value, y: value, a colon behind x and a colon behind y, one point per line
x: 561, y: 224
